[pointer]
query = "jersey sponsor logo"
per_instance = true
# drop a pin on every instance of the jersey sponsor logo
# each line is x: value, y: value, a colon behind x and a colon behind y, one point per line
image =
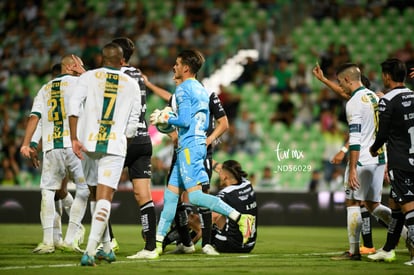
x: 110, y: 76
x: 411, y: 161
x: 409, y: 116
x: 253, y: 205
x: 103, y: 135
x: 406, y: 103
x: 408, y: 96
x: 55, y: 85
x: 355, y: 128
x: 57, y: 134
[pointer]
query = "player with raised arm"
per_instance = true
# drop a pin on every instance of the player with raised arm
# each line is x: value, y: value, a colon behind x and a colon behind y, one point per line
x: 103, y: 113
x: 364, y: 174
x: 366, y: 231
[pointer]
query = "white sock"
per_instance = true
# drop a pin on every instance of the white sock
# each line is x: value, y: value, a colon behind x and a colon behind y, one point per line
x: 99, y: 223
x: 92, y: 205
x: 354, y: 225
x: 106, y: 241
x: 47, y: 215
x: 57, y: 223
x: 404, y: 233
x: 67, y: 203
x: 77, y: 212
x: 383, y: 213
x: 234, y: 215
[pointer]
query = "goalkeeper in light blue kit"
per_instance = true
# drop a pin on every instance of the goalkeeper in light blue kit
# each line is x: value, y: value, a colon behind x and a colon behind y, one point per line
x: 191, y: 120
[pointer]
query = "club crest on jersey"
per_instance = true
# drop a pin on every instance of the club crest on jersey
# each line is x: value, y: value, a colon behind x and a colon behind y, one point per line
x: 364, y: 99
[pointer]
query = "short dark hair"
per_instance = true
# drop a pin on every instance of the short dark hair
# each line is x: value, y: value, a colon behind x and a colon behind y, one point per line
x: 193, y: 59
x: 395, y: 68
x: 56, y: 69
x: 365, y: 81
x: 127, y: 46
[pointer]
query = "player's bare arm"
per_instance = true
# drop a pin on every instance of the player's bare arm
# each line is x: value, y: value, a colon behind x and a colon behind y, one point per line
x: 77, y: 146
x: 156, y: 90
x: 318, y: 73
x: 222, y: 126
x: 26, y: 150
x: 339, y: 157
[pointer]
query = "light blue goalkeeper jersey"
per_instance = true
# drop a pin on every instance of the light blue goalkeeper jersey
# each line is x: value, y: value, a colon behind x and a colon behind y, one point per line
x: 192, y: 119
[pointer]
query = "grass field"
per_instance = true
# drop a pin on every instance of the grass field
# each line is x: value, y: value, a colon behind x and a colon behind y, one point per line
x: 279, y: 250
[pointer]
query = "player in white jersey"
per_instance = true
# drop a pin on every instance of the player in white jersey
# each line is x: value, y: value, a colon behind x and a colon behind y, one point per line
x: 103, y: 113
x: 364, y: 174
x: 49, y: 107
x: 366, y: 232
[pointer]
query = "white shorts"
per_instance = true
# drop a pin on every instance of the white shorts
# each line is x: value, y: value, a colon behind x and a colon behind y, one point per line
x: 103, y: 169
x: 371, y: 178
x: 58, y: 163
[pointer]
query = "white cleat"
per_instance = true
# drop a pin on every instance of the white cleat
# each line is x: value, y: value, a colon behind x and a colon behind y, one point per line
x: 410, y: 262
x: 381, y: 255
x: 145, y: 254
x: 182, y: 249
x: 72, y: 248
x: 44, y: 248
x: 209, y: 250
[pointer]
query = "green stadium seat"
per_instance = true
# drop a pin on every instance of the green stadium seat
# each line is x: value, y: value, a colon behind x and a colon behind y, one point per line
x: 220, y: 156
x: 15, y: 84
x: 408, y: 14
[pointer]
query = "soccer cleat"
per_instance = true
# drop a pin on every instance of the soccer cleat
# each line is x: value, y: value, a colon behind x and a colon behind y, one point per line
x: 367, y: 250
x: 410, y: 262
x: 58, y: 244
x: 159, y: 248
x: 382, y: 255
x: 145, y: 254
x: 347, y: 256
x: 182, y: 249
x: 71, y: 248
x: 109, y: 257
x: 246, y: 223
x: 44, y: 248
x: 209, y: 250
x: 114, y: 245
x: 87, y: 260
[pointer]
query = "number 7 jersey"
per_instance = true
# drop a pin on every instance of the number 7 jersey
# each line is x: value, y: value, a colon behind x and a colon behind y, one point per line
x: 50, y: 105
x: 108, y: 104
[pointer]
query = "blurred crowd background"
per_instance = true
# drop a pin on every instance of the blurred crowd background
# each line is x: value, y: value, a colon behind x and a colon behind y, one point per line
x: 275, y: 106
